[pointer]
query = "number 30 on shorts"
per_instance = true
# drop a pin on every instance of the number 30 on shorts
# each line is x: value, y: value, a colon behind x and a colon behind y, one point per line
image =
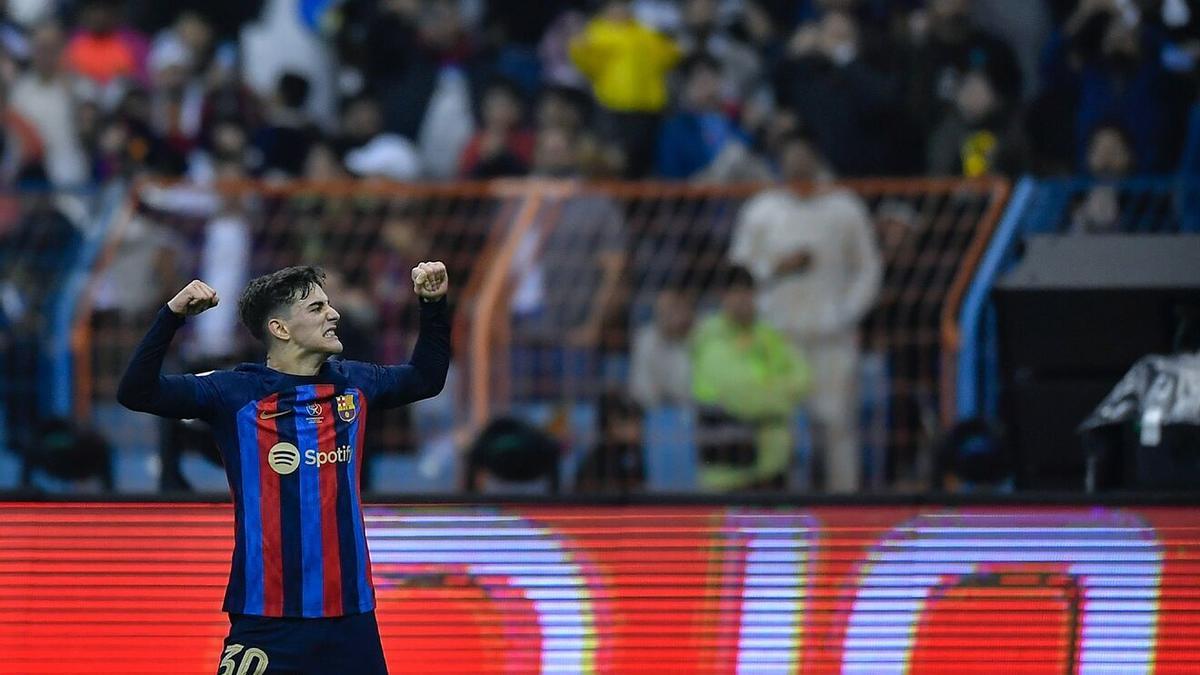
x: 253, y: 661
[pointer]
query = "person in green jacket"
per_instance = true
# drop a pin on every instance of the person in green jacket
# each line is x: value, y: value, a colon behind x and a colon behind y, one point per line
x: 750, y: 374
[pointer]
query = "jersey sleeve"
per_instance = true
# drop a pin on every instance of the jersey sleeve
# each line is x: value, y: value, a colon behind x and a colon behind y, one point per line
x: 423, y: 376
x: 144, y: 388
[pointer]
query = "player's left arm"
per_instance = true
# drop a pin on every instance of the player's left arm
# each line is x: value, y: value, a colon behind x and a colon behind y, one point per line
x: 145, y: 388
x: 424, y: 375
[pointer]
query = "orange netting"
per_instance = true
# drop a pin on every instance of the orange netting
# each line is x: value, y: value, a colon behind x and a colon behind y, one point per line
x: 931, y: 234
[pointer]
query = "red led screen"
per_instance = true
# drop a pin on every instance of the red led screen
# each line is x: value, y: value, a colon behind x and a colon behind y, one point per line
x: 103, y: 588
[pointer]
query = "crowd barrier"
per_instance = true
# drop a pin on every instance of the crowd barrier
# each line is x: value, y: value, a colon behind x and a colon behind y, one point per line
x: 932, y: 234
x: 866, y: 589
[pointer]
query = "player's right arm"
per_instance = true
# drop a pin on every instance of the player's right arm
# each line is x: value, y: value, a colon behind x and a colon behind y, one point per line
x: 144, y: 388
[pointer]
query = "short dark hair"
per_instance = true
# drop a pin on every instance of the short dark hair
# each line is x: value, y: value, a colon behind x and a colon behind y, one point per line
x: 737, y: 277
x: 266, y: 294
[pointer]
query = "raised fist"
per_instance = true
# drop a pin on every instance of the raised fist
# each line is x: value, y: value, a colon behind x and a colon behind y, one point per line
x: 430, y: 280
x: 193, y: 299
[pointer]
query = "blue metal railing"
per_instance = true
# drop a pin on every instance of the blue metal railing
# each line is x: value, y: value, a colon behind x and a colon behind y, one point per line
x: 1169, y: 204
x: 66, y: 306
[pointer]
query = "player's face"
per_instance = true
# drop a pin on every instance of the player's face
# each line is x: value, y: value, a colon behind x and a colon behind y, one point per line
x: 313, y: 323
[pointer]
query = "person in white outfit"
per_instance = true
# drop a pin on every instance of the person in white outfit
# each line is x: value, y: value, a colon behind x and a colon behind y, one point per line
x: 43, y: 95
x: 818, y: 269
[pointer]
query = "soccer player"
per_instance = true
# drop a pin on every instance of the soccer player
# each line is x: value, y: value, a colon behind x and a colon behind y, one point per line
x: 300, y: 597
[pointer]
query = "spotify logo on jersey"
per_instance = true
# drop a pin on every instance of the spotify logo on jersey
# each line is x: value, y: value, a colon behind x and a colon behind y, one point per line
x: 284, y: 458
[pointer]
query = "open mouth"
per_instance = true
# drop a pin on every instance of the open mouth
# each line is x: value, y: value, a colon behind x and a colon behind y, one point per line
x: 331, y: 333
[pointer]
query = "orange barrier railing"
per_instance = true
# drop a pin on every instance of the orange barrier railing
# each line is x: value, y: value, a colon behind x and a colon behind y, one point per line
x: 932, y: 231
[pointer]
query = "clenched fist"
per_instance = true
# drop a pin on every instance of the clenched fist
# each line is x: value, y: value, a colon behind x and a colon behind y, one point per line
x: 193, y: 299
x: 430, y: 280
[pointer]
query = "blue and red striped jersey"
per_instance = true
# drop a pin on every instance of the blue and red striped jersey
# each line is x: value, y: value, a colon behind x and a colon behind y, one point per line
x: 293, y: 450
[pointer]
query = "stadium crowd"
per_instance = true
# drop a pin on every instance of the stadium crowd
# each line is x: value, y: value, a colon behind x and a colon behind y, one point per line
x: 709, y: 91
x: 686, y: 89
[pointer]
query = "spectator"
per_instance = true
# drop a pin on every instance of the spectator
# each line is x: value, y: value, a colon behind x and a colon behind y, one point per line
x: 284, y: 141
x: 367, y: 150
x: 105, y: 49
x: 285, y: 38
x: 194, y: 31
x: 1103, y: 210
x: 224, y: 252
x: 845, y: 104
x: 567, y: 275
x: 225, y: 266
x: 567, y: 109
x: 1110, y: 153
x: 616, y: 463
x: 564, y: 108
x: 944, y: 45
x: 127, y: 145
x: 514, y: 28
x: 1123, y: 83
x: 979, y: 136
x: 503, y: 147
x: 750, y: 380
x: 660, y: 364
x: 375, y: 41
x: 554, y: 51
x: 1024, y: 25
x: 704, y: 33
x: 227, y: 142
x: 229, y: 98
x: 22, y: 155
x: 449, y: 121
x: 693, y: 137
x: 147, y: 265
x: 176, y: 96
x: 44, y: 97
x: 818, y: 271
x: 509, y: 453
x: 223, y: 19
x: 427, y: 90
x: 75, y: 457
x: 627, y: 65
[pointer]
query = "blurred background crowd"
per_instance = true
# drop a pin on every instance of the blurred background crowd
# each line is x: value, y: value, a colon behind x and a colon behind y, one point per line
x: 675, y: 89
x: 712, y: 92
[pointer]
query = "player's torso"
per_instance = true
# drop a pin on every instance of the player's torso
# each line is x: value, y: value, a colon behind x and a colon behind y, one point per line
x: 308, y: 425
x: 293, y: 458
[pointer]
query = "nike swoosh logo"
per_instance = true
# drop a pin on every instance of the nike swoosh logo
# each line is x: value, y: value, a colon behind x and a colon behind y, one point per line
x: 264, y: 415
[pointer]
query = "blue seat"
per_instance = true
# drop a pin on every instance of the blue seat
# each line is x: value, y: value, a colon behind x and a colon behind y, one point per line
x: 670, y: 449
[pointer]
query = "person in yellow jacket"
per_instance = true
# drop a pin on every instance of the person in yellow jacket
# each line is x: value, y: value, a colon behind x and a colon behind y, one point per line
x: 745, y: 375
x: 627, y: 64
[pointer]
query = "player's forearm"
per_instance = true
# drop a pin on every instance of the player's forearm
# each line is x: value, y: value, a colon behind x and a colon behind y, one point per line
x: 431, y: 355
x: 139, y: 387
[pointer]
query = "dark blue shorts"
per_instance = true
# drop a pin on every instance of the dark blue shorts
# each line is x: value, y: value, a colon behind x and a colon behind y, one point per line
x: 259, y: 645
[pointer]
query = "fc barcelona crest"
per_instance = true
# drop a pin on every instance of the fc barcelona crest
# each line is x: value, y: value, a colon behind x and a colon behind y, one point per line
x: 346, y: 410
